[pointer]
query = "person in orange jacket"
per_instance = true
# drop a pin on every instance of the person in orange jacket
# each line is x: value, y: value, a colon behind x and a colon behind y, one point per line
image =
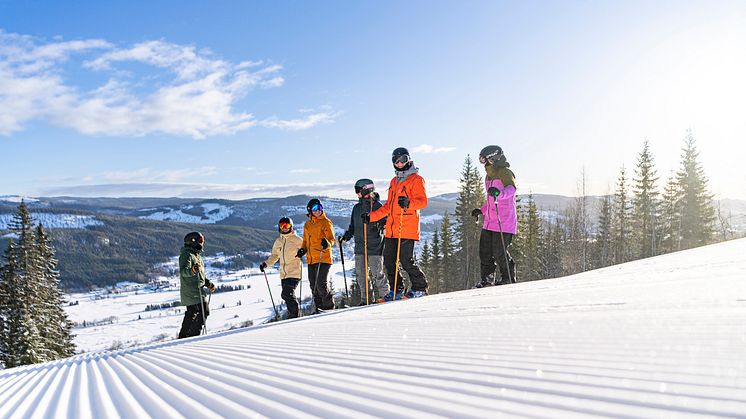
x: 318, y: 236
x: 406, y: 197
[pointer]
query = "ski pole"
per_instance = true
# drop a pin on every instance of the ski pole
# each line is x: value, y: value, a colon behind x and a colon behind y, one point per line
x: 365, y: 257
x: 274, y: 307
x: 505, y: 251
x: 202, y: 309
x: 398, y: 250
x: 344, y: 273
x: 300, y: 291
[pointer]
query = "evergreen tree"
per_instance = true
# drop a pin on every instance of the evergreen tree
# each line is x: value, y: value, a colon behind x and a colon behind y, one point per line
x: 621, y: 239
x: 426, y: 260
x: 551, y: 249
x: 671, y: 217
x: 449, y: 280
x: 55, y: 327
x: 697, y: 213
x: 602, y: 246
x: 435, y: 266
x: 467, y: 229
x: 645, y: 215
x: 531, y: 238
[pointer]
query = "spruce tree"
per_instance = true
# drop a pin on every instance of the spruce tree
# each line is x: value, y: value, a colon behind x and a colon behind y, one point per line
x: 466, y: 227
x: 602, y: 247
x: 551, y: 249
x: 450, y: 269
x: 671, y: 217
x: 697, y: 212
x: 531, y: 238
x: 645, y: 217
x: 435, y: 266
x: 55, y: 327
x: 621, y: 240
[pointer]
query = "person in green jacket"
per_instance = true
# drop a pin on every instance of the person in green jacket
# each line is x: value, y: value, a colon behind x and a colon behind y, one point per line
x: 193, y: 280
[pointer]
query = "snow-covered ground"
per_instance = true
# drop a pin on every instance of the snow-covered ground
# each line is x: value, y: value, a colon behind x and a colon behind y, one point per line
x: 660, y: 337
x: 117, y: 317
x: 210, y: 213
x: 49, y: 220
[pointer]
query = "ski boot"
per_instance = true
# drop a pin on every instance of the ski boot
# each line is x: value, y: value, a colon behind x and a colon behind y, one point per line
x: 413, y: 294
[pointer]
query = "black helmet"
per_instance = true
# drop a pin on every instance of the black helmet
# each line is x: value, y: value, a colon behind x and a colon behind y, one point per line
x: 401, y: 154
x: 313, y: 203
x: 195, y: 240
x: 285, y: 221
x: 490, y: 154
x: 364, y: 186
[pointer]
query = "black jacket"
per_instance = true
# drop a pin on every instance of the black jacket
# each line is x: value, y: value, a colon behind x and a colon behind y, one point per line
x: 375, y: 230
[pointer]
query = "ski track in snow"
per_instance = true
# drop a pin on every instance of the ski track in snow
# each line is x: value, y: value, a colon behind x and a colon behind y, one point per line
x: 657, y: 337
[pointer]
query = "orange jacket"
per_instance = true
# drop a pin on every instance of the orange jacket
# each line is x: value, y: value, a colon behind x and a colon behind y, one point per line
x: 313, y: 230
x: 412, y: 187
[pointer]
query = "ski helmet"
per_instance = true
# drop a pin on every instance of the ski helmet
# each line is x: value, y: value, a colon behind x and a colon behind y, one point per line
x: 314, y: 205
x: 364, y: 186
x: 195, y: 240
x: 490, y: 154
x: 401, y: 155
x: 284, y: 222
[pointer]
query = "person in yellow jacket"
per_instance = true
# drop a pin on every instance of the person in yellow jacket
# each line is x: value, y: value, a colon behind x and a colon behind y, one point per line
x: 291, y: 268
x: 318, y: 236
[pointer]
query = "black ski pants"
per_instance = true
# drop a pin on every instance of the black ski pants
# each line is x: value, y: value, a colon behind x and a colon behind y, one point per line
x: 406, y: 258
x: 192, y: 323
x: 491, y: 253
x: 288, y: 294
x: 318, y: 277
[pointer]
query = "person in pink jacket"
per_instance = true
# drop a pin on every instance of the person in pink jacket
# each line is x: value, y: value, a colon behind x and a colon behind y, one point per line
x: 500, y: 221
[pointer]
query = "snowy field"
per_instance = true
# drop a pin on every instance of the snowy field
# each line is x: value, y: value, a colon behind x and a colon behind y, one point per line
x: 661, y: 337
x: 117, y: 319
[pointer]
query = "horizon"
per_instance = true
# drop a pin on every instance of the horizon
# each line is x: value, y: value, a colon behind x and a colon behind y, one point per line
x: 249, y: 99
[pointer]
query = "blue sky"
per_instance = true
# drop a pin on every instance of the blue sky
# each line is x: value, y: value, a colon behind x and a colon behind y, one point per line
x: 246, y: 99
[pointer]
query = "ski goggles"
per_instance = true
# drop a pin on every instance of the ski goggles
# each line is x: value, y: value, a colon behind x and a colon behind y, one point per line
x: 365, y: 189
x: 286, y: 226
x: 489, y: 158
x: 317, y: 207
x: 404, y: 158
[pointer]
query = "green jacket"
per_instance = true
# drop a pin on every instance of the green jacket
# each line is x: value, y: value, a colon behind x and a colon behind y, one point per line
x: 191, y: 284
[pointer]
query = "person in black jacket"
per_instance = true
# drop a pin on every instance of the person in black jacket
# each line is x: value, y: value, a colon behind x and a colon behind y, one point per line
x: 368, y: 201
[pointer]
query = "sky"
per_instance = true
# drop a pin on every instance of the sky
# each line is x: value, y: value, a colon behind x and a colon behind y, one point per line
x: 244, y: 99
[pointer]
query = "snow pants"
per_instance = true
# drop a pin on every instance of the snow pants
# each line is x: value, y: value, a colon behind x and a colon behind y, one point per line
x: 491, y: 253
x: 318, y: 277
x: 406, y: 258
x: 288, y: 295
x: 192, y: 323
x: 376, y: 278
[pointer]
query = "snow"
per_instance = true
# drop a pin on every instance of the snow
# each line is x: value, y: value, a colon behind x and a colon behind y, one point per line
x: 17, y: 199
x: 49, y: 220
x: 431, y: 219
x: 659, y: 337
x: 211, y: 213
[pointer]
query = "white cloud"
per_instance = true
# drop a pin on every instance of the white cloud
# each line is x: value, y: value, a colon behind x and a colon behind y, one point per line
x: 305, y: 171
x: 177, y: 90
x: 428, y: 149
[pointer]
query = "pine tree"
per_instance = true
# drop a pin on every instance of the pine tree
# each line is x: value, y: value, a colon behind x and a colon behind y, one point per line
x: 602, y: 246
x: 449, y: 280
x: 531, y: 239
x: 698, y: 215
x: 55, y: 327
x: 466, y: 227
x: 621, y: 240
x: 645, y: 204
x: 435, y: 266
x: 551, y: 249
x: 671, y: 217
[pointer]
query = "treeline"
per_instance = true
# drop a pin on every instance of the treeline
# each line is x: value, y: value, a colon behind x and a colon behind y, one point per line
x: 641, y: 218
x: 33, y: 325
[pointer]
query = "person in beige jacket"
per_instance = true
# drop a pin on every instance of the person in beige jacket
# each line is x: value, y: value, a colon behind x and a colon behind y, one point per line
x: 284, y: 249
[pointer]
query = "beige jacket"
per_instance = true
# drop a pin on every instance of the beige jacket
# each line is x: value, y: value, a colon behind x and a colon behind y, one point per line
x: 285, y: 248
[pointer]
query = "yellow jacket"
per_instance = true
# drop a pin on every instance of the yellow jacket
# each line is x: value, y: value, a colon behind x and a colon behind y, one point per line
x: 313, y: 230
x: 285, y: 248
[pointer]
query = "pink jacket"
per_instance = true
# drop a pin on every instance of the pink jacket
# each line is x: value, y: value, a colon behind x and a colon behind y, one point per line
x: 505, y: 205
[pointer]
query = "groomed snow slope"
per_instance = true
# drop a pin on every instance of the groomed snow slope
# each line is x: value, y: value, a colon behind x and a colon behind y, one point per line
x: 664, y: 336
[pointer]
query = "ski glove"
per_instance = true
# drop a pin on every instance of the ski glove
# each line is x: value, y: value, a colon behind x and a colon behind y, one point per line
x: 366, y: 217
x: 195, y: 268
x: 211, y: 287
x: 263, y: 266
x: 324, y: 243
x: 476, y: 212
x: 341, y: 239
x: 493, y: 191
x: 300, y: 253
x: 403, y: 202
